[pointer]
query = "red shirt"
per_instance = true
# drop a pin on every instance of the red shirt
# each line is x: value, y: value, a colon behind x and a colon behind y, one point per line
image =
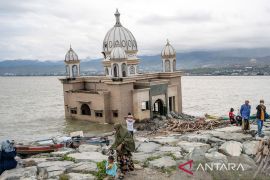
x: 231, y: 115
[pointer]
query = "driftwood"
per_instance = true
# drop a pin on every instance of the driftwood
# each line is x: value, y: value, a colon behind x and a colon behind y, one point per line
x: 182, y: 126
x: 262, y: 157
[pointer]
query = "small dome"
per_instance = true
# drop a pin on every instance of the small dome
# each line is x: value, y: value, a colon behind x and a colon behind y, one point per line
x: 118, y: 53
x: 71, y: 55
x: 168, y: 51
x: 119, y: 36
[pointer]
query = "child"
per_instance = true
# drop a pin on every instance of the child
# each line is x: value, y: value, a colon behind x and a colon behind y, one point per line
x: 232, y: 116
x: 130, y: 121
x: 111, y: 168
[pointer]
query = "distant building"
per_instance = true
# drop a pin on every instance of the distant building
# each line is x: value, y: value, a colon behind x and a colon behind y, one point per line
x: 109, y: 98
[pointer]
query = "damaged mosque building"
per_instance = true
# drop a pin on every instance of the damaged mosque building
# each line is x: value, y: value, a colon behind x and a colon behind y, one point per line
x: 122, y: 89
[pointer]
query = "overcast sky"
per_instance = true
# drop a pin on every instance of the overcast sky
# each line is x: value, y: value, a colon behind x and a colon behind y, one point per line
x: 43, y: 29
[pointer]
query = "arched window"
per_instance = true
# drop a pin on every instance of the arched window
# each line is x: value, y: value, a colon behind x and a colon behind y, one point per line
x: 167, y: 66
x: 124, y: 70
x: 174, y: 65
x: 74, y: 71
x: 67, y: 70
x: 115, y: 70
x: 132, y: 70
x: 106, y: 71
x: 85, y: 110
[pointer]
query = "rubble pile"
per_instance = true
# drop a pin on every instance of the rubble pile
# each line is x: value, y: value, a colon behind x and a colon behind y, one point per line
x: 263, y: 157
x: 183, y: 126
x: 179, y: 123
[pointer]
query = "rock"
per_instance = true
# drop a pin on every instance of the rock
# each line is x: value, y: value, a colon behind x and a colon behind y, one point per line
x: 142, y: 139
x: 32, y: 161
x: 169, y: 149
x: 189, y: 146
x: 215, y: 141
x: 89, y: 148
x: 228, y: 136
x: 50, y: 169
x: 77, y: 176
x: 212, y: 149
x: 148, y: 147
x: 63, y: 152
x: 250, y: 147
x: 55, y: 163
x: 229, y: 129
x: 138, y: 167
x: 176, y: 151
x: 140, y: 156
x: 231, y: 148
x: 84, y: 167
x: 203, y: 138
x: 165, y: 162
x: 20, y: 173
x: 216, y: 157
x: 88, y: 156
x: 171, y: 140
x: 197, y: 154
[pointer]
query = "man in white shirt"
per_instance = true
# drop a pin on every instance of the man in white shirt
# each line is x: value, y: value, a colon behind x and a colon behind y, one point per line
x: 130, y: 121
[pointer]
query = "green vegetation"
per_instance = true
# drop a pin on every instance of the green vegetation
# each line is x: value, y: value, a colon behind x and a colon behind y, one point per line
x: 63, y: 177
x: 101, y: 174
x: 67, y: 158
x: 168, y: 170
x: 171, y: 155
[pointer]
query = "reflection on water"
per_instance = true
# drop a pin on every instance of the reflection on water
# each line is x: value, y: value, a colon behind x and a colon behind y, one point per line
x: 32, y: 107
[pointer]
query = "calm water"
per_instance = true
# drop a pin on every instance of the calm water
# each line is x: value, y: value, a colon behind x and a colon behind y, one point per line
x: 32, y: 107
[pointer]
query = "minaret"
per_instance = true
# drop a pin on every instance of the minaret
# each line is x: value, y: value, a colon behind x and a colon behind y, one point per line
x: 72, y: 63
x: 168, y: 56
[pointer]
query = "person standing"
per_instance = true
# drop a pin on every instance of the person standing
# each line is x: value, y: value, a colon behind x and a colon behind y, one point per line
x: 124, y: 145
x: 7, y: 156
x: 130, y: 122
x: 245, y: 113
x: 261, y: 116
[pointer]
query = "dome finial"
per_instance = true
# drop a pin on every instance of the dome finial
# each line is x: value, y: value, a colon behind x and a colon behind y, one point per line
x: 168, y: 42
x: 117, y: 17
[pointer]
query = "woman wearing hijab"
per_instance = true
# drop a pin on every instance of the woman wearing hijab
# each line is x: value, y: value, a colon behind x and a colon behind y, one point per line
x: 7, y: 156
x: 124, y: 145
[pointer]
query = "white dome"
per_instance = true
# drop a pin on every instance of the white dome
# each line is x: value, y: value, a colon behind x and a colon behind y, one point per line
x: 119, y: 36
x: 71, y: 55
x: 168, y: 51
x: 118, y: 53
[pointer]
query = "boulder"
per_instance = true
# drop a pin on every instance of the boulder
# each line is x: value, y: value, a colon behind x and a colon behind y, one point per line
x: 140, y: 156
x: 50, y: 169
x: 63, y: 152
x: 230, y: 129
x: 171, y: 140
x: 148, y: 147
x: 216, y: 157
x: 20, y: 173
x: 203, y: 138
x: 196, y: 154
x: 84, y: 167
x: 231, y: 148
x: 88, y: 156
x: 162, y: 162
x: 89, y: 148
x: 189, y: 146
x: 229, y: 136
x: 77, y: 176
x: 176, y: 151
x: 250, y: 147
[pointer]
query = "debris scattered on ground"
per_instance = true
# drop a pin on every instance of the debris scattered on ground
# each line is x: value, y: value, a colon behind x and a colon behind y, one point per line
x: 263, y: 157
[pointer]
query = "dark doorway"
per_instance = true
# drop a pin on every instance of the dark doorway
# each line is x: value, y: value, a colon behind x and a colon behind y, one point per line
x: 159, y: 108
x: 85, y: 109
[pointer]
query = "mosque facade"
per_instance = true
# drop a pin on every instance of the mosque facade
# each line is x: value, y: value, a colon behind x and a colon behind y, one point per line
x: 122, y: 88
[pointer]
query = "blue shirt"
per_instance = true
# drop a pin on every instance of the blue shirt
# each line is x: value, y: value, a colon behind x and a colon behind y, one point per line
x: 245, y: 111
x: 112, y: 171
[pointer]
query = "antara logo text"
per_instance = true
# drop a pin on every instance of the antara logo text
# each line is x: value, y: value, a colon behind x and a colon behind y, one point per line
x: 187, y: 167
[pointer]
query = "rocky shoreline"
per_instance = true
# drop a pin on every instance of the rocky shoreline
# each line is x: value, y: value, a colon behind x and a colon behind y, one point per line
x: 157, y: 155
